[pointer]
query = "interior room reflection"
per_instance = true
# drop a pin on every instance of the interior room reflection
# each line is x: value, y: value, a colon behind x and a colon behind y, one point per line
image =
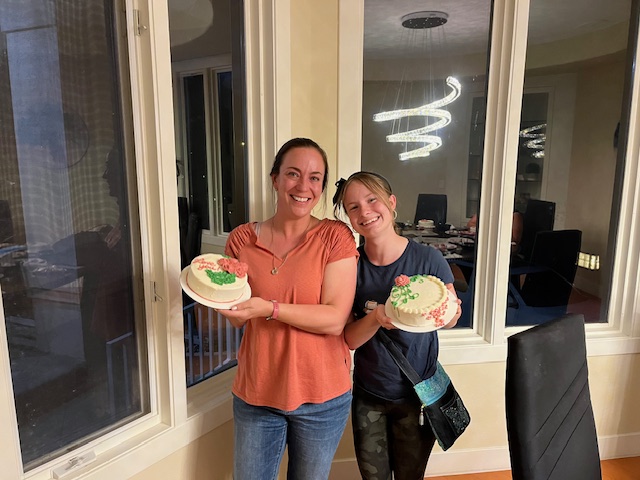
x: 566, y: 162
x: 209, y: 110
x: 66, y: 250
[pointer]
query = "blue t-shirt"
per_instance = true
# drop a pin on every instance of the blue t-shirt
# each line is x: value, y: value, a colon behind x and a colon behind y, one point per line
x: 375, y: 371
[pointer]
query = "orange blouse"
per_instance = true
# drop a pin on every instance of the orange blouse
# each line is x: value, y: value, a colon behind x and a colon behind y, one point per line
x: 281, y: 366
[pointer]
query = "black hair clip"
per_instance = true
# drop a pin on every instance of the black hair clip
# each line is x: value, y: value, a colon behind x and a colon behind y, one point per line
x: 339, y: 186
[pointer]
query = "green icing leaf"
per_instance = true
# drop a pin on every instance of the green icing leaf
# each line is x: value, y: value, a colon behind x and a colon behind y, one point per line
x: 221, y: 278
x: 402, y: 294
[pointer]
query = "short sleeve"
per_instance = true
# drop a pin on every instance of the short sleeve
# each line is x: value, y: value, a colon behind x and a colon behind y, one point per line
x: 340, y: 241
x: 237, y: 239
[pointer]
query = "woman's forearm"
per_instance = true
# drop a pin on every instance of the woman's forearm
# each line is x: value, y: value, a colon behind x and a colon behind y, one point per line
x: 322, y: 319
x: 359, y: 332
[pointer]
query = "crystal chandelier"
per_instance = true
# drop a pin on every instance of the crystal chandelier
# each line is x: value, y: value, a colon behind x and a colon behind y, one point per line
x: 537, y: 142
x: 427, y: 134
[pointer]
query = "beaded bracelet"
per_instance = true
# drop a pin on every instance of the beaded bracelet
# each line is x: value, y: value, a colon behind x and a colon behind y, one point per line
x: 276, y: 310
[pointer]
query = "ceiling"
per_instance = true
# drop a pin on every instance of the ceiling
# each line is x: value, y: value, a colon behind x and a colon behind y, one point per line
x: 467, y: 28
x: 466, y: 31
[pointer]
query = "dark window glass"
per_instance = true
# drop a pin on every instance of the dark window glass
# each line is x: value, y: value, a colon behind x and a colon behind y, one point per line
x: 67, y: 264
x: 413, y: 59
x: 569, y: 158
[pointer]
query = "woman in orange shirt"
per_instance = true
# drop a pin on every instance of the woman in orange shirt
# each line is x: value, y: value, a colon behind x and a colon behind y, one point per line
x: 293, y: 384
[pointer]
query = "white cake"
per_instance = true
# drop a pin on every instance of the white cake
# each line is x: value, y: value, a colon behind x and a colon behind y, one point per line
x: 217, y: 278
x: 426, y: 224
x: 420, y: 300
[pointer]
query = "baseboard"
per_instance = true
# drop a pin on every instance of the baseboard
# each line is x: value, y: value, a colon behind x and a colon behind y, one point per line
x: 619, y: 446
x: 492, y: 459
x: 455, y: 462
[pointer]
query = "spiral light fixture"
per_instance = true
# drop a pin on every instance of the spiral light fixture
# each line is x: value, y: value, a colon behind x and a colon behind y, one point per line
x: 425, y: 135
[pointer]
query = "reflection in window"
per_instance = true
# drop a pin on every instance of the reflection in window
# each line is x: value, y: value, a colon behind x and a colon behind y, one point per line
x: 209, y: 150
x: 66, y: 261
x: 400, y: 72
x: 565, y: 185
x: 209, y: 83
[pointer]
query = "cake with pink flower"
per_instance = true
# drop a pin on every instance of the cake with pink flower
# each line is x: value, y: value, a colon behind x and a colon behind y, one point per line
x: 217, y: 278
x: 420, y: 301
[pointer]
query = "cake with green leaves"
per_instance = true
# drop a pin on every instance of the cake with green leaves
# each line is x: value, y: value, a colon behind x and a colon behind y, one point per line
x: 420, y: 300
x: 217, y: 278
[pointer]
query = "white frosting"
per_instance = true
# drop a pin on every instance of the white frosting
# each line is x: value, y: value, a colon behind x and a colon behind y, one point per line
x: 422, y: 302
x: 426, y: 223
x: 200, y: 282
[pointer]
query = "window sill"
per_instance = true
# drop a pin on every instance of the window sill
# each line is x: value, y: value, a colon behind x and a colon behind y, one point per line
x: 210, y: 394
x: 463, y: 346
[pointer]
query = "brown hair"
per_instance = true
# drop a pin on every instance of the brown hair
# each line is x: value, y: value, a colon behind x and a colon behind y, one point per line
x: 377, y: 184
x: 300, y: 143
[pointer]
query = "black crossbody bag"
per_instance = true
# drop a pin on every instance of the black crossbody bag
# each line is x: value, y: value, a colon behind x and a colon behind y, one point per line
x: 447, y: 415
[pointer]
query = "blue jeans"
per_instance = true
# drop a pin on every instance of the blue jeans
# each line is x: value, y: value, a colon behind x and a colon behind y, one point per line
x: 312, y: 432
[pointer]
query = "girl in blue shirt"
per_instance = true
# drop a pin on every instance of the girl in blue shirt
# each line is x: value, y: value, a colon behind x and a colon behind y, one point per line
x: 388, y: 437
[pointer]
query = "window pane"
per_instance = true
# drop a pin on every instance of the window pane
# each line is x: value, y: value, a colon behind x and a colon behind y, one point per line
x: 418, y: 65
x: 66, y: 262
x: 207, y: 50
x: 569, y: 151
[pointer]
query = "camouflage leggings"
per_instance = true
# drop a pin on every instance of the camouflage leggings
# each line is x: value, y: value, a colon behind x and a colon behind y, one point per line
x: 388, y: 438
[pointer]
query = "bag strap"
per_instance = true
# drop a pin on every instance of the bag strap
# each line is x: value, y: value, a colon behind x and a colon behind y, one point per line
x: 399, y: 358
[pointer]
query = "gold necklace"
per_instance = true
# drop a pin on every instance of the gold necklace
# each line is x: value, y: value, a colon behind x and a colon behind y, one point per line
x: 274, y: 269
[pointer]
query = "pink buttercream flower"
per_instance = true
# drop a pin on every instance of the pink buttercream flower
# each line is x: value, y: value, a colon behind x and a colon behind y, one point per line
x: 232, y: 265
x: 402, y: 280
x: 240, y: 269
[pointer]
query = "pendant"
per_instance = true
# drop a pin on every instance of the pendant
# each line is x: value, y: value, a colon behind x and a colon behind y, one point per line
x: 274, y: 271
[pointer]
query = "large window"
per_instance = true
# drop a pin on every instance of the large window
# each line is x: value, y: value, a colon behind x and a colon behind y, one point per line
x: 570, y: 151
x: 425, y: 126
x: 433, y: 158
x: 69, y: 247
x: 210, y: 122
x: 87, y: 164
x: 209, y: 94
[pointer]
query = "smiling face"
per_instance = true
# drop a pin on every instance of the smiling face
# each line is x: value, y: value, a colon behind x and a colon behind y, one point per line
x: 299, y: 181
x: 368, y: 213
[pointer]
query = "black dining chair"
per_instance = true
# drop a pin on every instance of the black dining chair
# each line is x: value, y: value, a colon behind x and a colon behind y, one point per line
x: 548, y: 278
x: 550, y: 425
x: 538, y: 216
x: 431, y: 206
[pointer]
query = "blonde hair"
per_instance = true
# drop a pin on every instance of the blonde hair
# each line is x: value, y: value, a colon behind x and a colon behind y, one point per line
x: 376, y: 184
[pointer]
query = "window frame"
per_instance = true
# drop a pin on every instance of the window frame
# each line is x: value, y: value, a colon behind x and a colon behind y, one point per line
x: 177, y: 417
x: 486, y: 341
x: 208, y: 67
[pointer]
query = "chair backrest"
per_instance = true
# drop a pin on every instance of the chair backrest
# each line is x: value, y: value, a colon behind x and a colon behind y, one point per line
x: 538, y: 216
x: 558, y: 251
x: 550, y: 425
x: 431, y: 206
